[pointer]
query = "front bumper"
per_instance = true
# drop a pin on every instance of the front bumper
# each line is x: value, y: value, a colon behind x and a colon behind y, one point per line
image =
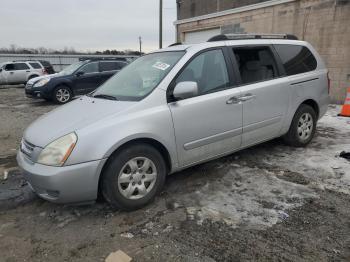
x: 67, y: 184
x: 35, y: 92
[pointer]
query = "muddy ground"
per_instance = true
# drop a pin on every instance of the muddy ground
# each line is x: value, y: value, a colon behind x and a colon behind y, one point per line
x: 267, y: 203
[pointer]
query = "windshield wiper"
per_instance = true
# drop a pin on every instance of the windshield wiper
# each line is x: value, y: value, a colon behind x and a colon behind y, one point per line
x: 109, y: 97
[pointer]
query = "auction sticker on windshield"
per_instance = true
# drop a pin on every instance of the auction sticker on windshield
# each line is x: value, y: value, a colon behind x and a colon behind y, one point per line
x: 161, y: 66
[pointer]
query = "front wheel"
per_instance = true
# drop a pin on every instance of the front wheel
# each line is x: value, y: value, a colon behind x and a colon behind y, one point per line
x: 133, y: 177
x: 303, y: 127
x: 62, y: 95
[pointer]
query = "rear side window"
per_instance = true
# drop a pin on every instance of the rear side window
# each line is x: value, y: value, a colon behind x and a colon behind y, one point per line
x: 35, y: 65
x: 256, y: 64
x: 296, y: 59
x: 21, y: 66
x: 111, y: 66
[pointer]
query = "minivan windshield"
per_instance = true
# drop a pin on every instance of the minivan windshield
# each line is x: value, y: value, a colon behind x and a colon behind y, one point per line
x: 71, y: 69
x: 139, y: 78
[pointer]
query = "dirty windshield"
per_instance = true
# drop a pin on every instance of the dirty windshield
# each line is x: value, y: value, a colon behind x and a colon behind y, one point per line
x: 139, y: 78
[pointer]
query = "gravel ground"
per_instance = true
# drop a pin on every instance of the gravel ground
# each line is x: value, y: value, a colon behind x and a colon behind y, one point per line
x: 267, y: 203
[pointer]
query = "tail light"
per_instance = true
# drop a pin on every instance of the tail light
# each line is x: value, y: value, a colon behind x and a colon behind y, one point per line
x: 329, y: 83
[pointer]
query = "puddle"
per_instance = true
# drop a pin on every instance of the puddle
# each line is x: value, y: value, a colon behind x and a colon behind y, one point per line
x: 14, y: 191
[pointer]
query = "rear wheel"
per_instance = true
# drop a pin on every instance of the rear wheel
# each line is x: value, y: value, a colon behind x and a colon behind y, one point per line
x: 303, y: 127
x: 133, y: 177
x: 62, y: 94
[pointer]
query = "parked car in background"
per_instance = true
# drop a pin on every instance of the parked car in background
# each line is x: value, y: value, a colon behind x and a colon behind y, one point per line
x: 47, y: 66
x: 77, y: 79
x: 172, y: 109
x: 19, y: 72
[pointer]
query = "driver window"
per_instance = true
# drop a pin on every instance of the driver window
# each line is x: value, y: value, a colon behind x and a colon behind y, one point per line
x: 208, y: 70
x: 89, y: 68
x: 9, y: 67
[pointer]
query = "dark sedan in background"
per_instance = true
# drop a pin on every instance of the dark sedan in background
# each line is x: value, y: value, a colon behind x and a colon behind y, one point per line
x: 77, y: 79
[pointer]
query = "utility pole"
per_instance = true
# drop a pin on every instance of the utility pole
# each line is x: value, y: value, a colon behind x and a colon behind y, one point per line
x: 140, y: 41
x: 160, y: 24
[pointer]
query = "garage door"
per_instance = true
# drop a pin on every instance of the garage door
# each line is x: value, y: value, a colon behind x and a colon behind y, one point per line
x: 201, y: 36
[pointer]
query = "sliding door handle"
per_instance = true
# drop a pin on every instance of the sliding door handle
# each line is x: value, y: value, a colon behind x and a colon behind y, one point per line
x: 233, y: 100
x: 247, y: 97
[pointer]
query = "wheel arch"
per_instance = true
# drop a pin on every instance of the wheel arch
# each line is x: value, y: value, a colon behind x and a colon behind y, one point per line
x: 307, y: 101
x: 145, y: 140
x: 313, y: 104
x: 32, y: 76
x: 66, y: 84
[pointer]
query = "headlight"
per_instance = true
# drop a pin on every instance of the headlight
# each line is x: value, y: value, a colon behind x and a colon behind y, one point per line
x: 41, y: 82
x: 57, y: 152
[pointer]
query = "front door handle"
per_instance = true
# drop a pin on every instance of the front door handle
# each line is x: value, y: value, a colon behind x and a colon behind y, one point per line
x: 233, y: 100
x: 246, y: 97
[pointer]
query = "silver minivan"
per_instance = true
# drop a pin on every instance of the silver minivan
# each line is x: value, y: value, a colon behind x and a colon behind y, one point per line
x: 171, y: 109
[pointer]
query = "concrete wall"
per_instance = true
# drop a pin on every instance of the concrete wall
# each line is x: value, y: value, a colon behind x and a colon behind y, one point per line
x: 323, y: 23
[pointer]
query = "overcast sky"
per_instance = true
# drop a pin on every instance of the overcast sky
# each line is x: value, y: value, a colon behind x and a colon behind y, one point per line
x: 85, y: 24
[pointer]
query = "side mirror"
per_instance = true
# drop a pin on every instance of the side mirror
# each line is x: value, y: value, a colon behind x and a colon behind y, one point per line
x: 185, y: 90
x: 80, y: 73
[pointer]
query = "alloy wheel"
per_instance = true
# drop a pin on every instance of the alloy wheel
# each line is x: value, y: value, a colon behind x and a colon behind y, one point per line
x: 62, y: 95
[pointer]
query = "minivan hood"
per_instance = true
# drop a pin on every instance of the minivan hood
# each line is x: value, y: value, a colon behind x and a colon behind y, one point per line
x: 71, y: 117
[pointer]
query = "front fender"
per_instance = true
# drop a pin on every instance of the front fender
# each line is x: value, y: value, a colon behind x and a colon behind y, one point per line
x: 116, y: 146
x: 101, y: 139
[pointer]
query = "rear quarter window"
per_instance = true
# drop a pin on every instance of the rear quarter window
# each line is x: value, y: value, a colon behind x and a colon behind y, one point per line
x: 296, y: 59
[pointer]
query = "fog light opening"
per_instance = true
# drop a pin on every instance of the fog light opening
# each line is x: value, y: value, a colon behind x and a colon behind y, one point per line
x: 53, y: 193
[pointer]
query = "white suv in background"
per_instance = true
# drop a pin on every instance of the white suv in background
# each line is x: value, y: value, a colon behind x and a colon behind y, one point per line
x: 19, y: 72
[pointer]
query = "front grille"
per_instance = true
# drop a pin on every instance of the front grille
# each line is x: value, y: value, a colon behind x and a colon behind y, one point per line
x: 27, y: 148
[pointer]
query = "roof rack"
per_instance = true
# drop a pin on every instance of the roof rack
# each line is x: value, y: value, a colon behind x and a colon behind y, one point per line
x: 251, y: 36
x: 123, y: 59
x: 25, y: 60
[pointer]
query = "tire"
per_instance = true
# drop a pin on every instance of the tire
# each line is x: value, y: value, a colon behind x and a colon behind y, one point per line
x: 303, y: 127
x: 62, y: 94
x: 126, y: 173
